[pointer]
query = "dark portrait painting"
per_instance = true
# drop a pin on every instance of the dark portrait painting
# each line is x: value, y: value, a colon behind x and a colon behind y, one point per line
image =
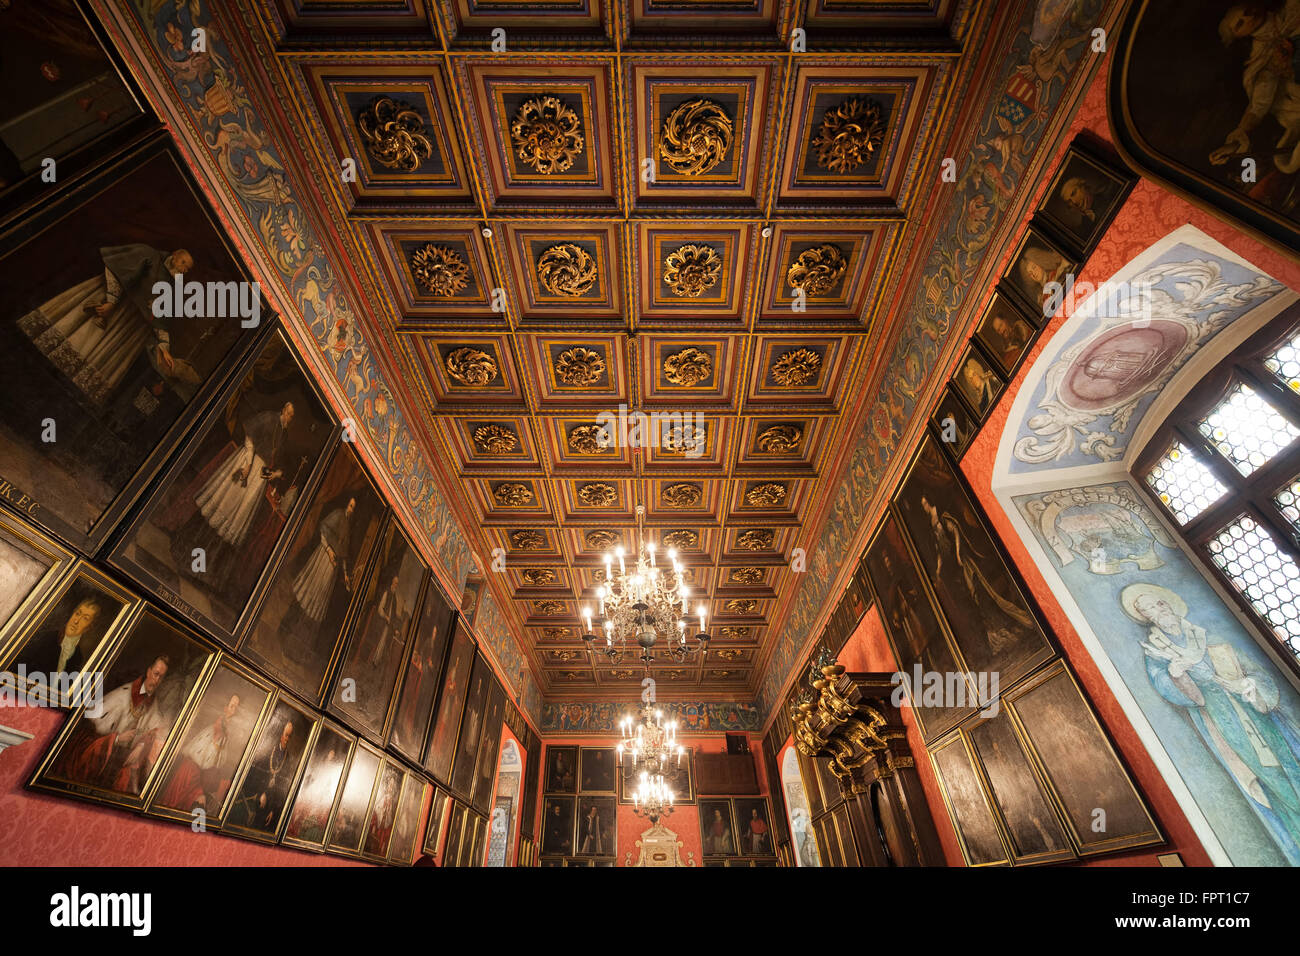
x: 111, y: 750
x: 1083, y: 198
x: 971, y: 817
x: 753, y: 826
x: 29, y: 564
x: 1036, y: 264
x: 597, y: 770
x: 471, y: 728
x: 423, y: 669
x: 202, y: 769
x: 557, y: 825
x: 94, y: 387
x: 597, y: 826
x: 977, y: 382
x: 1005, y: 333
x: 489, y: 748
x: 953, y: 423
x: 203, y: 539
x: 321, y: 779
x: 300, y: 620
x: 401, y: 849
x: 263, y: 794
x: 352, y: 812
x: 376, y: 649
x: 561, y: 770
x: 991, y: 621
x: 451, y: 701
x: 717, y: 831
x: 383, y: 812
x: 437, y: 823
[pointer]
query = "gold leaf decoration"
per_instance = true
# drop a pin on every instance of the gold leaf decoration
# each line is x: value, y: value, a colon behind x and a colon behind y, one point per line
x: 538, y: 576
x: 588, y: 439
x: 779, y: 439
x: 691, y: 270
x: 681, y: 495
x: 688, y: 367
x: 735, y: 633
x: 394, y: 134
x: 555, y: 633
x: 567, y: 270
x: 439, y: 270
x: 562, y: 657
x: 723, y: 674
x: 471, y: 366
x: 681, y: 539
x: 729, y: 654
x: 742, y: 606
x: 549, y: 608
x: 850, y: 134
x: 495, y: 439
x: 598, y: 494
x: 601, y: 539
x: 528, y: 539
x: 546, y: 134
x: 748, y: 575
x: 579, y: 366
x: 514, y: 494
x: 696, y: 136
x: 796, y: 367
x: 684, y: 439
x: 815, y: 271
x: 766, y: 495
x: 755, y: 539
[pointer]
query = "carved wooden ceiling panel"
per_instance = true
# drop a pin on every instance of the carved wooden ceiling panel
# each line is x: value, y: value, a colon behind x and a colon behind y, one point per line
x: 658, y: 205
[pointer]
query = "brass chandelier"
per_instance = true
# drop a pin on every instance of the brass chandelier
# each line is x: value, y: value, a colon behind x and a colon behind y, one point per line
x: 651, y: 746
x: 646, y: 599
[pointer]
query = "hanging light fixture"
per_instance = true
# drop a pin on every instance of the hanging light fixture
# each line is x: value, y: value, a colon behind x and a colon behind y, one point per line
x: 651, y: 747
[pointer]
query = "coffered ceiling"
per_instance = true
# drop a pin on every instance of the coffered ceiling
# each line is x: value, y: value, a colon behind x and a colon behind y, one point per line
x: 645, y: 205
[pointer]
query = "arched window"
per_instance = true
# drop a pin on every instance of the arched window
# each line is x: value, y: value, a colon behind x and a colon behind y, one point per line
x: 1225, y: 466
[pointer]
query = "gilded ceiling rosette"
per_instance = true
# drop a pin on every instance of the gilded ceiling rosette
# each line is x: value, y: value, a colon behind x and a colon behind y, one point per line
x: 546, y: 134
x: 566, y: 270
x: 439, y: 270
x: 779, y: 438
x: 796, y: 367
x: 815, y: 271
x: 688, y: 367
x: 394, y: 134
x: 579, y: 366
x: 849, y: 135
x: 471, y: 366
x: 696, y: 136
x: 691, y: 270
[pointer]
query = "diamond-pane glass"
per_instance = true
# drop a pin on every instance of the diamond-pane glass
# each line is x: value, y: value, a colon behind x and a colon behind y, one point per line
x: 1268, y: 577
x: 1248, y: 430
x: 1183, y: 483
x: 1285, y: 363
x: 1288, y: 502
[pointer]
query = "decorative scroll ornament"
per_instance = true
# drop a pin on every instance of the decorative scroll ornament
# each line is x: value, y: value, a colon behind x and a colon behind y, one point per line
x: 755, y: 539
x: 766, y: 495
x: 849, y: 135
x: 393, y: 134
x: 439, y: 270
x: 691, y: 270
x: 688, y: 367
x: 588, y: 439
x: 470, y: 366
x: 579, y: 366
x: 796, y: 367
x: 778, y: 439
x: 549, y: 608
x: 598, y: 494
x: 681, y: 495
x: 567, y: 270
x: 513, y: 494
x: 538, y: 576
x: 735, y: 633
x: 728, y: 654
x: 681, y: 538
x: 495, y: 439
x: 685, y: 439
x: 562, y: 657
x: 546, y: 134
x: 815, y: 271
x: 528, y: 539
x: 598, y: 539
x: 696, y: 137
x: 748, y: 575
x: 742, y: 605
x: 556, y: 633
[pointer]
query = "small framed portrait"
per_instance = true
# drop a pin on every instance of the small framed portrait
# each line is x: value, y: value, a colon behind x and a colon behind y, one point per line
x: 262, y: 796
x: 1005, y: 334
x: 1083, y: 198
x: 598, y: 771
x: 54, y: 655
x: 753, y: 826
x: 977, y: 382
x: 353, y: 809
x: 436, y: 828
x: 457, y: 814
x: 596, y: 826
x: 953, y: 423
x: 401, y: 849
x: 717, y: 828
x: 561, y: 769
x: 557, y: 825
x: 383, y: 812
x: 317, y: 792
x: 30, y: 564
x: 1038, y: 267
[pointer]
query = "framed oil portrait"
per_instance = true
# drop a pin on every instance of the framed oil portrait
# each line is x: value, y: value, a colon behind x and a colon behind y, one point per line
x: 1080, y: 766
x: 597, y: 770
x: 401, y: 848
x: 203, y: 538
x: 262, y: 794
x: 198, y: 777
x: 680, y: 779
x: 351, y: 814
x: 753, y: 826
x: 1083, y: 197
x: 69, y: 99
x: 95, y: 390
x: 968, y: 807
x: 558, y: 812
x: 319, y: 789
x: 298, y: 623
x: 471, y: 729
x: 995, y: 629
x: 474, y: 841
x: 30, y: 564
x: 1035, y: 266
x: 485, y: 774
x: 717, y: 828
x: 532, y: 784
x: 54, y: 657
x: 597, y: 826
x: 916, y: 634
x: 1006, y: 334
x: 457, y: 817
x: 376, y: 648
x: 977, y: 382
x: 429, y: 644
x: 441, y: 749
x: 561, y: 770
x: 436, y: 828
x: 383, y: 812
x: 110, y: 749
